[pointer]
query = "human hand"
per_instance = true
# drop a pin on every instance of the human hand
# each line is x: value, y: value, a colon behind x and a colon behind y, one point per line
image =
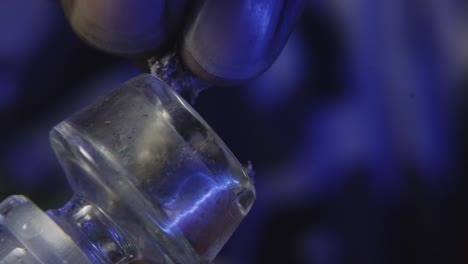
x: 222, y: 41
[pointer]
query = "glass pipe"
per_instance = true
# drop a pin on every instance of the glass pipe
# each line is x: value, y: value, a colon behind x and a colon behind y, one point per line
x: 152, y: 182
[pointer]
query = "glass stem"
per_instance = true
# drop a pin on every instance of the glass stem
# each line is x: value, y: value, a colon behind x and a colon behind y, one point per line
x: 97, y: 234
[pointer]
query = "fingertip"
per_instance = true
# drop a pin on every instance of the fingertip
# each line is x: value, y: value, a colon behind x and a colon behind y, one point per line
x: 122, y: 27
x: 231, y: 42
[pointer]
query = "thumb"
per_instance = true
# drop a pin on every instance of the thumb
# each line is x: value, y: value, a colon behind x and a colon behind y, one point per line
x: 126, y: 27
x: 230, y: 42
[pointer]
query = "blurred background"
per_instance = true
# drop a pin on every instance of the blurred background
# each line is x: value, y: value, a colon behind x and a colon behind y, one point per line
x: 358, y: 133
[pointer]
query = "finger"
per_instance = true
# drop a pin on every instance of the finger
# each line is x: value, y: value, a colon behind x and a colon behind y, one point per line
x: 230, y: 42
x: 126, y: 27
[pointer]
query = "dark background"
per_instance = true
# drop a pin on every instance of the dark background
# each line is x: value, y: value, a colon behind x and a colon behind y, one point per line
x: 358, y: 133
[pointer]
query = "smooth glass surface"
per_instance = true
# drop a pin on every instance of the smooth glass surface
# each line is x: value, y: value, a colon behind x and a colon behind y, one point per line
x: 28, y: 235
x: 160, y: 176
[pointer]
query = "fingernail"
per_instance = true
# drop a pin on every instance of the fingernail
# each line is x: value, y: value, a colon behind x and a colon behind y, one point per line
x: 230, y: 42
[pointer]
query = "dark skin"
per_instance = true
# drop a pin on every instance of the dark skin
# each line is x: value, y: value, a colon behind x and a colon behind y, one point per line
x: 222, y: 41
